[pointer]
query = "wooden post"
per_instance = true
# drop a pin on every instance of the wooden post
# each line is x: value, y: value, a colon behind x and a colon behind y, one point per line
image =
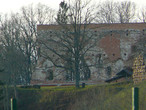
x: 13, y: 104
x: 135, y: 91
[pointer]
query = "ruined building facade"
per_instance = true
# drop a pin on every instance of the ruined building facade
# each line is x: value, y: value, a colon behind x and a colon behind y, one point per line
x: 115, y: 50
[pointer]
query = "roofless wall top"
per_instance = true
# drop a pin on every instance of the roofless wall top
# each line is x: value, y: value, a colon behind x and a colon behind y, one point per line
x: 114, y: 26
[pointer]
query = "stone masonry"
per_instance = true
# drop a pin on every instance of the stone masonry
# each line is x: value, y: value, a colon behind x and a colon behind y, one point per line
x: 113, y: 49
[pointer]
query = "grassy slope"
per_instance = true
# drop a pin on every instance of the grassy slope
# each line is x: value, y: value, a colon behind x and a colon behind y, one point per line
x: 111, y: 97
x: 97, y: 97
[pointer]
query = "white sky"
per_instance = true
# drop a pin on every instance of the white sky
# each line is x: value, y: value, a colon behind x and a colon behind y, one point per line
x: 7, y: 6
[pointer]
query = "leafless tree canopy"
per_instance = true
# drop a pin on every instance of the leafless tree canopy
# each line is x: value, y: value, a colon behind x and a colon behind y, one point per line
x: 142, y: 15
x: 126, y: 11
x: 18, y: 34
x: 106, y: 12
x: 116, y: 12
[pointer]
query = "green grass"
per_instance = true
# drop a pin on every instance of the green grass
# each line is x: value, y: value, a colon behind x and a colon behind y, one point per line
x: 111, y: 97
x: 48, y: 97
x: 92, y: 97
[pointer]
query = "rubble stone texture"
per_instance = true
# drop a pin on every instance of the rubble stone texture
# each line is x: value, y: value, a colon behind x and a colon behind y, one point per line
x: 139, y: 69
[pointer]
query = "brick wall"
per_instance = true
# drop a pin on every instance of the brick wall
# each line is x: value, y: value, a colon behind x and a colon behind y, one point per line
x: 115, y: 26
x: 111, y: 45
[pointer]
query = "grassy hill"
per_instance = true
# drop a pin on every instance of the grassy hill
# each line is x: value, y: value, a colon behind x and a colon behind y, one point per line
x: 111, y: 97
x: 93, y: 97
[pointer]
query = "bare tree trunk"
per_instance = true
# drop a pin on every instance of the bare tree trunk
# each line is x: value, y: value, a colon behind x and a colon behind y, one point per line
x: 77, y: 57
x: 77, y: 72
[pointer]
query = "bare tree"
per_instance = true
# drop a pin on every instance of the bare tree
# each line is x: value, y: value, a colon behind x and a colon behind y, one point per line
x: 142, y: 15
x: 126, y: 11
x: 18, y: 45
x: 18, y: 37
x: 28, y: 19
x: 116, y: 12
x: 12, y: 47
x: 70, y: 42
x: 106, y: 12
x: 38, y: 14
x: 45, y: 15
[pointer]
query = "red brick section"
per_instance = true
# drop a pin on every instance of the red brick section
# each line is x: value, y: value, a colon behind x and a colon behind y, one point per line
x: 119, y: 26
x: 111, y: 46
x: 115, y: 26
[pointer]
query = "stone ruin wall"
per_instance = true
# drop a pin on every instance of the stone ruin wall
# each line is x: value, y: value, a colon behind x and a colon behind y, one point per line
x: 139, y: 69
x: 115, y: 49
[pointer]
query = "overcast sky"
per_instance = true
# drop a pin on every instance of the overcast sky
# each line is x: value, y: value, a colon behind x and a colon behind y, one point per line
x: 7, y: 6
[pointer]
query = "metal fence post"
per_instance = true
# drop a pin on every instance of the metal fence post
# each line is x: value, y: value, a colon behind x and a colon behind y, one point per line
x: 135, y: 91
x: 13, y: 104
